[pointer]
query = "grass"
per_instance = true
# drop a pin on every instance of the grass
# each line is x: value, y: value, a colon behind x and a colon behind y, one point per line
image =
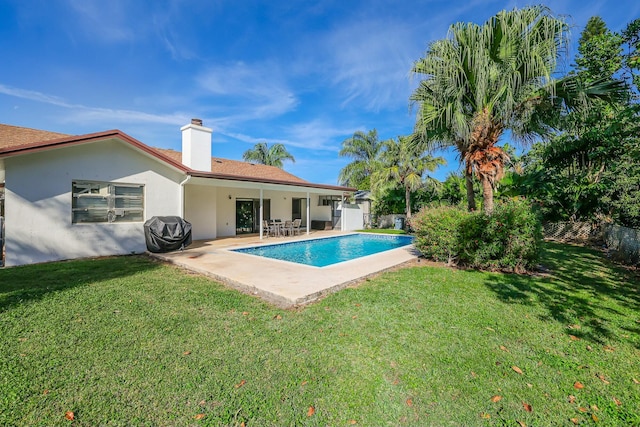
x: 128, y: 341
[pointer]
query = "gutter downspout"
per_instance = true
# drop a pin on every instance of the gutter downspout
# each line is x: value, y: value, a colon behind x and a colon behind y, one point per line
x: 187, y: 179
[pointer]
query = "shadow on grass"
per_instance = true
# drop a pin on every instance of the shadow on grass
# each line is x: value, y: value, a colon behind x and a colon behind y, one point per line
x: 582, y: 288
x: 32, y: 282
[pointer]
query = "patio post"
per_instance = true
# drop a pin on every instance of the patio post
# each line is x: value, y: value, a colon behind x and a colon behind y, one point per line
x: 261, y: 214
x: 308, y: 213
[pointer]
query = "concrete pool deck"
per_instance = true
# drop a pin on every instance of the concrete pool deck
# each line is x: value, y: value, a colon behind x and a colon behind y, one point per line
x: 282, y: 283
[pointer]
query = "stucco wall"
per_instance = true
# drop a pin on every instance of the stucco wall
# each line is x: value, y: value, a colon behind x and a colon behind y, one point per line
x: 38, y: 201
x: 200, y: 210
x: 352, y: 217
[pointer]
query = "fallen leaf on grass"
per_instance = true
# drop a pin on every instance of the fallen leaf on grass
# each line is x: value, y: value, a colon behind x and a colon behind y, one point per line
x: 352, y: 422
x: 575, y: 421
x: 474, y: 375
x: 496, y: 398
x: 574, y: 338
x: 572, y: 399
x: 583, y: 410
x: 69, y: 415
x: 527, y: 407
x: 602, y: 378
x: 45, y: 392
x: 199, y: 416
x: 595, y: 418
x: 241, y: 383
x: 589, y: 348
x: 245, y: 313
x: 595, y: 408
x: 304, y: 382
x: 485, y: 415
x: 608, y: 348
x: 277, y: 317
x: 518, y: 370
x: 186, y: 353
x: 573, y: 326
x: 521, y: 423
x: 578, y: 385
x: 635, y: 381
x: 409, y: 402
x: 311, y: 411
x: 503, y: 348
x: 617, y: 402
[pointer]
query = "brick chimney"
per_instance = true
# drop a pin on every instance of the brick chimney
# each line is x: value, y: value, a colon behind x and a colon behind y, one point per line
x: 196, y: 146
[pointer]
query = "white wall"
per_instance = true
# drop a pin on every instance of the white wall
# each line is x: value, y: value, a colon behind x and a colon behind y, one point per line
x: 352, y: 217
x: 38, y: 201
x: 320, y: 213
x: 200, y: 210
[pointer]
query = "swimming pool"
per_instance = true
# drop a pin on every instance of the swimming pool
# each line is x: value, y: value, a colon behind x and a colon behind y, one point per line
x: 330, y: 250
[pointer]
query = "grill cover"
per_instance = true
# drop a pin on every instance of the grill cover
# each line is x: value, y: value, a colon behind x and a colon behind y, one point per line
x: 167, y: 233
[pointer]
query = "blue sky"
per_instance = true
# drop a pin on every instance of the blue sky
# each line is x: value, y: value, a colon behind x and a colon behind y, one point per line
x: 307, y: 74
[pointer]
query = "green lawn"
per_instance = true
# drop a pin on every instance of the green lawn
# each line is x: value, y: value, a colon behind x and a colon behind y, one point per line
x: 128, y: 341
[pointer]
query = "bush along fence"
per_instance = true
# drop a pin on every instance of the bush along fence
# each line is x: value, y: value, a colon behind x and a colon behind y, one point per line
x: 622, y: 243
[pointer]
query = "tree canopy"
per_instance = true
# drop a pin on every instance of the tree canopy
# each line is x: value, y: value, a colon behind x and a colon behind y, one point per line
x: 271, y: 156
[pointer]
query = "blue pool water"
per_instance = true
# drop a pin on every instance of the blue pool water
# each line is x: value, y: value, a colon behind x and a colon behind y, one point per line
x: 331, y: 250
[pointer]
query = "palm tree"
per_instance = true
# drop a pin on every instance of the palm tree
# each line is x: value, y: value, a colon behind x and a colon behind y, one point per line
x: 404, y: 164
x: 272, y: 156
x: 486, y: 79
x: 364, y: 148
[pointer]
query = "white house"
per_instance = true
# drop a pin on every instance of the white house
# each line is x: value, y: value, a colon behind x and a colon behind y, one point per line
x: 64, y: 197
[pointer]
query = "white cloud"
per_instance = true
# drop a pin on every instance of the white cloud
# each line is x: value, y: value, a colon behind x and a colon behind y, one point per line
x: 106, y: 21
x: 256, y: 90
x: 95, y: 114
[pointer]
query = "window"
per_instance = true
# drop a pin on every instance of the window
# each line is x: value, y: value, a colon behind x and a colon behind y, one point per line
x: 107, y: 202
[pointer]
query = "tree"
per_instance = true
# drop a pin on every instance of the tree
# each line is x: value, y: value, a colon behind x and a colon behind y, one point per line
x: 272, y: 156
x: 404, y: 164
x: 589, y: 170
x: 364, y: 149
x: 488, y: 79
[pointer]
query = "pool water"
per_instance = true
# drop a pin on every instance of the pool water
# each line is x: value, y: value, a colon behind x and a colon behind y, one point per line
x: 330, y: 250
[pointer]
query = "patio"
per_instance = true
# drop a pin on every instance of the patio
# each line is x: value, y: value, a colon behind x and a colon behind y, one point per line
x: 282, y: 283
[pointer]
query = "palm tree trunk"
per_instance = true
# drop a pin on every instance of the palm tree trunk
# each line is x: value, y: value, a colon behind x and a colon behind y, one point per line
x: 487, y: 195
x: 407, y: 198
x: 471, y: 197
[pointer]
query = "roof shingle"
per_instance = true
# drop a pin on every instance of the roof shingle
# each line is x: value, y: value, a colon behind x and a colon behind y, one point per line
x: 240, y: 169
x: 13, y: 136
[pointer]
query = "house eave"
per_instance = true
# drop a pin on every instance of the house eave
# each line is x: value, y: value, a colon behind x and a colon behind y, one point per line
x: 298, y: 185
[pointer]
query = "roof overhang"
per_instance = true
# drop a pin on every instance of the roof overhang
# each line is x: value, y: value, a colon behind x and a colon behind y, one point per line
x: 230, y: 181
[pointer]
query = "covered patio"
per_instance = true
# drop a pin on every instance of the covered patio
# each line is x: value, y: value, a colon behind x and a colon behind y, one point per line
x: 281, y: 283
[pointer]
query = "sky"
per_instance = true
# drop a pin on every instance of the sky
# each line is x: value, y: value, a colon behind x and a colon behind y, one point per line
x: 307, y: 74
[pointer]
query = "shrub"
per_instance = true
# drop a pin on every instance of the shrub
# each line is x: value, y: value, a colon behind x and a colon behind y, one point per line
x: 437, y: 232
x: 509, y: 239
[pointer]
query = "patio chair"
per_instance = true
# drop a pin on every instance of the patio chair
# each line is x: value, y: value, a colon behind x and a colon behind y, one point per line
x: 295, y: 229
x: 268, y: 229
x: 287, y: 228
